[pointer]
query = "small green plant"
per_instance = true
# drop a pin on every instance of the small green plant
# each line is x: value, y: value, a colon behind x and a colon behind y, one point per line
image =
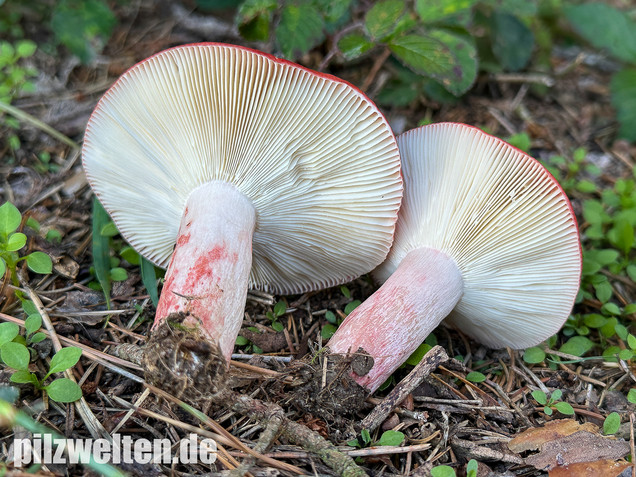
x: 553, y: 402
x: 388, y: 438
x: 278, y: 311
x: 333, y: 320
x: 12, y: 241
x: 443, y: 471
x: 15, y: 354
x: 612, y: 423
x: 471, y: 468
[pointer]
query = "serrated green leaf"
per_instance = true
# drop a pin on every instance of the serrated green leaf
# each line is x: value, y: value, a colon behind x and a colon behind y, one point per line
x: 512, y: 41
x: 300, y: 29
x: 15, y: 355
x: 534, y: 355
x: 39, y: 262
x: 434, y: 10
x: 618, y: 30
x: 382, y: 18
x: 8, y: 331
x: 354, y: 45
x: 64, y: 359
x: 391, y: 438
x: 63, y: 390
x: 255, y: 17
x: 623, y: 97
x: 16, y: 241
x: 10, y: 219
x: 564, y: 408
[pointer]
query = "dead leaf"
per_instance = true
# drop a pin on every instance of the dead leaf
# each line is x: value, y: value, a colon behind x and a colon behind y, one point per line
x: 606, y: 468
x: 581, y: 446
x: 533, y: 439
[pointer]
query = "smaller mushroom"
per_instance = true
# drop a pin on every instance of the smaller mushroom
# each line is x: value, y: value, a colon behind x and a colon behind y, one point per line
x: 486, y: 239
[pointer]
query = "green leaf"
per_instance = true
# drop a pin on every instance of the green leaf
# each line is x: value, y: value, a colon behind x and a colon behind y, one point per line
x: 622, y: 236
x: 382, y: 18
x: 33, y: 323
x: 331, y: 317
x: 623, y: 97
x: 345, y: 291
x: 434, y: 10
x: 631, y: 396
x: 327, y: 331
x: 611, y: 309
x: 299, y: 30
x: 118, y: 274
x: 564, y: 408
x: 475, y: 377
x: 280, y: 308
x: 255, y: 17
x: 625, y: 354
x: 64, y: 359
x: 391, y: 438
x: 418, y: 354
x: 130, y: 255
x: 353, y: 45
x: 440, y: 55
x: 534, y: 355
x: 577, y: 346
x: 16, y: 241
x: 556, y: 395
x: 23, y: 377
x: 603, y: 291
x: 278, y: 326
x: 3, y: 268
x: 612, y: 423
x: 547, y: 411
x: 8, y: 331
x: 149, y: 279
x: 471, y: 468
x: 15, y: 355
x: 540, y: 397
x: 585, y: 186
x: 512, y: 41
x: 25, y: 48
x: 241, y: 341
x: 10, y: 218
x: 82, y: 26
x: 37, y: 337
x: 618, y: 30
x: 109, y: 230
x: 351, y: 306
x: 63, y: 390
x: 366, y: 436
x: 39, y: 262
x: 443, y: 471
x: 101, y: 254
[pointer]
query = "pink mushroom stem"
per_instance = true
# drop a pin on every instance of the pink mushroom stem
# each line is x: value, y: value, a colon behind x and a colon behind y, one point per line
x: 209, y: 270
x: 398, y: 317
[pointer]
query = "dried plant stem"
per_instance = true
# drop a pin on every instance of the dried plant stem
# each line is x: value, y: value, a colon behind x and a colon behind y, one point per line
x: 429, y: 362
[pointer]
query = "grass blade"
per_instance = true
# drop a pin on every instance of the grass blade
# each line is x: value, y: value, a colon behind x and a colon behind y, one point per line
x: 149, y: 279
x: 101, y: 252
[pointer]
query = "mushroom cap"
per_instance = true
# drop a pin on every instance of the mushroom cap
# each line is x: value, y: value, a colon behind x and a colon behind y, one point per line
x: 504, y: 220
x: 313, y: 154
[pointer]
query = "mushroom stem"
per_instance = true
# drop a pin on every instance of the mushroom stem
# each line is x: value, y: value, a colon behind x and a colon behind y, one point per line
x: 397, y: 318
x: 209, y: 270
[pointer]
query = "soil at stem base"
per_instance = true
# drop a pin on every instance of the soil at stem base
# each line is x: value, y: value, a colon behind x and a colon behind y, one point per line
x: 183, y: 361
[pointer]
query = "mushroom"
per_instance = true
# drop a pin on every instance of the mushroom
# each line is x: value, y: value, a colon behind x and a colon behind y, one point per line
x: 259, y: 172
x: 486, y: 239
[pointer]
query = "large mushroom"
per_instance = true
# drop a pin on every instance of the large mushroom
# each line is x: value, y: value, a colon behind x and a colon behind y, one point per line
x: 486, y: 239
x: 256, y: 171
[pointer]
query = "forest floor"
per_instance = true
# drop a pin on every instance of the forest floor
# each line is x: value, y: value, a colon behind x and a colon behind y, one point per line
x: 447, y: 419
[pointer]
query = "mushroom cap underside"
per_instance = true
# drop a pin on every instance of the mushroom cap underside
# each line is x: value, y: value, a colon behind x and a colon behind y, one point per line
x: 314, y: 156
x: 504, y: 220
